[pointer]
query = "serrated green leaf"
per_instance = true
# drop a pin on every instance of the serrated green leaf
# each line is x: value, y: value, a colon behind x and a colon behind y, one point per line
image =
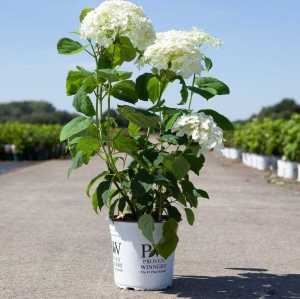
x: 142, y: 84
x: 125, y: 91
x: 67, y: 46
x: 190, y: 216
x: 125, y: 144
x: 141, y: 118
x: 133, y: 130
x: 223, y: 122
x: 177, y: 165
x: 153, y: 89
x: 147, y: 226
x: 169, y: 241
x: 209, y: 83
x: 208, y: 63
x: 83, y: 104
x: 74, y: 127
x: 93, y: 181
x: 84, y: 13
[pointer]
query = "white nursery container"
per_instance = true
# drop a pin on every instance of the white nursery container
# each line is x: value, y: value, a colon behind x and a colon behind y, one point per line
x: 290, y: 170
x: 287, y: 169
x: 133, y: 266
x: 262, y: 162
x: 235, y: 154
x: 280, y: 168
x: 246, y: 159
x: 252, y: 160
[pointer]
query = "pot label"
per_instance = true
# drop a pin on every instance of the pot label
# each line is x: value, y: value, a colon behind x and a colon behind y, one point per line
x: 116, y: 248
x: 145, y: 263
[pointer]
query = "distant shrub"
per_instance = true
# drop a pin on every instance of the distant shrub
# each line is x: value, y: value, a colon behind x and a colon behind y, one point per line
x: 269, y: 137
x: 32, y: 142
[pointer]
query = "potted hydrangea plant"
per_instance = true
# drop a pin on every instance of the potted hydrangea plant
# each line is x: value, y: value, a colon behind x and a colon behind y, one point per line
x: 146, y: 185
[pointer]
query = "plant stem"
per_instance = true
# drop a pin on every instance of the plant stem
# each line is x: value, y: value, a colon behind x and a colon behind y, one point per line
x: 192, y: 93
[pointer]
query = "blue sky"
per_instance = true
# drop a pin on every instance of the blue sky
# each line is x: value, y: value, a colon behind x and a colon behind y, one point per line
x: 259, y: 59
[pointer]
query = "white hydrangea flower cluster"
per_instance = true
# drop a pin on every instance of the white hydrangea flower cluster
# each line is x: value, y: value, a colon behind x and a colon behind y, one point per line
x: 180, y: 50
x: 201, y: 128
x: 118, y: 16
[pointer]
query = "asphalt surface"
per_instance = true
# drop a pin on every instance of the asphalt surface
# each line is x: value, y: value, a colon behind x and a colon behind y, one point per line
x: 245, y: 243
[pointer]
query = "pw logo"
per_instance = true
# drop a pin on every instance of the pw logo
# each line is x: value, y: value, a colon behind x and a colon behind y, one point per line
x: 147, y: 251
x: 116, y: 247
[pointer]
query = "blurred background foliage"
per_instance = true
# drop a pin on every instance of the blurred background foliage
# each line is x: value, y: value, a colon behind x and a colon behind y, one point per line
x: 33, y: 127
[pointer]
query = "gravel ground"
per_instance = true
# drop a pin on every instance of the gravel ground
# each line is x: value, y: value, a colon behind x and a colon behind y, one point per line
x: 245, y: 243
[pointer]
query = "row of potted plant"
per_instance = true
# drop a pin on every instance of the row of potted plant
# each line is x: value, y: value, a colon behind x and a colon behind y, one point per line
x: 267, y: 144
x: 30, y: 142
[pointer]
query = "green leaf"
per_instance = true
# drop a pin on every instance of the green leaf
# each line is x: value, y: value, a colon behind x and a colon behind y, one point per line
x: 133, y: 130
x: 104, y: 190
x: 212, y: 83
x: 173, y: 212
x: 75, y: 126
x: 84, y: 13
x: 80, y: 79
x: 184, y: 92
x: 142, y: 86
x: 171, y: 121
x: 125, y: 91
x: 82, y: 103
x: 67, y: 46
x: 88, y: 146
x: 112, y: 207
x: 169, y: 241
x: 125, y: 144
x: 177, y: 165
x: 153, y: 89
x: 190, y: 216
x: 201, y: 193
x: 147, y: 226
x: 100, y: 196
x: 141, y: 118
x: 93, y: 181
x: 223, y: 122
x: 188, y: 191
x: 195, y: 162
x: 77, y: 162
x: 113, y: 75
x: 127, y: 50
x: 169, y: 138
x: 206, y: 93
x: 208, y: 63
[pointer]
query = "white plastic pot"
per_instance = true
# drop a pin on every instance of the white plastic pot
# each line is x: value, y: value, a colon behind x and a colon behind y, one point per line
x: 245, y: 158
x: 290, y: 170
x: 235, y: 154
x: 280, y: 168
x: 251, y: 160
x: 133, y: 266
x: 262, y: 162
x: 287, y: 169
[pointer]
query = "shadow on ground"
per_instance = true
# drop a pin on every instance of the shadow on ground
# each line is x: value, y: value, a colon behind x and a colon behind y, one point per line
x: 252, y: 284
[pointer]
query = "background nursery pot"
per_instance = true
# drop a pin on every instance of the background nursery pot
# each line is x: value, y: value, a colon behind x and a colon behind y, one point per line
x: 134, y: 267
x: 262, y: 162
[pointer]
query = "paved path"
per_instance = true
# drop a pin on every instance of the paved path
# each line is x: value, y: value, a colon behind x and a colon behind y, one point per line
x: 245, y: 244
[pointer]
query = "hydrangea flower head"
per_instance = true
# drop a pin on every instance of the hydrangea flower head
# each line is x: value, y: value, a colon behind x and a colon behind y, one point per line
x: 115, y: 17
x: 180, y: 50
x: 202, y: 129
